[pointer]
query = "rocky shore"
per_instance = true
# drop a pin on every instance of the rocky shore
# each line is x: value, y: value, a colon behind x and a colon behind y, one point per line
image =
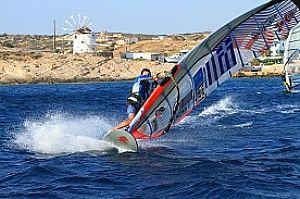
x: 30, y: 68
x: 266, y: 71
x: 29, y: 59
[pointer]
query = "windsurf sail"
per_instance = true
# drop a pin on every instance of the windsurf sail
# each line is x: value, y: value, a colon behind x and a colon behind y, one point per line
x: 211, y: 62
x: 291, y: 78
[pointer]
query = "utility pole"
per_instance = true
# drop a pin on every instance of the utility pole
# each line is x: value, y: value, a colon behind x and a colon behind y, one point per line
x: 25, y: 48
x: 63, y: 45
x: 54, y: 36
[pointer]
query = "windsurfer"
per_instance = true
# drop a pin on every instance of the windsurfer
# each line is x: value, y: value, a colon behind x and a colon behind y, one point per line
x: 139, y: 93
x: 287, y: 82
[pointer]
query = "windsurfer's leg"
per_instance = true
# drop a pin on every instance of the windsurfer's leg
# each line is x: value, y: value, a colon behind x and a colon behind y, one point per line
x: 131, y: 111
x: 124, y: 123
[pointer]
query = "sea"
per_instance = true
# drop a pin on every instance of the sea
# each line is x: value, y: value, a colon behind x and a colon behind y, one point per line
x: 242, y: 142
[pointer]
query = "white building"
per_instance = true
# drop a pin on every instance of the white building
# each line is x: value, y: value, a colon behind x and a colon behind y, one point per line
x: 132, y: 40
x: 84, y: 41
x: 145, y: 56
x: 277, y: 49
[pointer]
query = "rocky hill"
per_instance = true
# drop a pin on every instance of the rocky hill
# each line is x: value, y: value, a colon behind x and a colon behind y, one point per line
x: 31, y: 58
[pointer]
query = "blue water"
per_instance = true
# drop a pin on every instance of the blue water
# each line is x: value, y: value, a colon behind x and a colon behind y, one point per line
x: 243, y: 142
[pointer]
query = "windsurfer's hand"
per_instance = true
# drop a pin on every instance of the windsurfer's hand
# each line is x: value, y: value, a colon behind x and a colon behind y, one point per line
x: 168, y: 74
x: 157, y: 77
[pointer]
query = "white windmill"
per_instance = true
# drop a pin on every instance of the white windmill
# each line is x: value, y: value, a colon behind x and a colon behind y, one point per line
x: 83, y: 39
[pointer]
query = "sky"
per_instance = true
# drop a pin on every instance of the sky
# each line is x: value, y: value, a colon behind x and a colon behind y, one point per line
x: 127, y: 16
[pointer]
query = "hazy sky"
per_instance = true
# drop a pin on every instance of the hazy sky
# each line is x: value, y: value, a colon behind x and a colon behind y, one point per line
x: 131, y: 16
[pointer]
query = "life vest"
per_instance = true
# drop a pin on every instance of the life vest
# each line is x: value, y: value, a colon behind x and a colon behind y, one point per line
x: 140, y: 92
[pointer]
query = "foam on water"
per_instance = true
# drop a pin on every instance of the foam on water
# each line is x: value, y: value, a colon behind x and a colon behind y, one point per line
x: 288, y: 108
x: 58, y: 133
x: 63, y: 133
x: 225, y: 106
x: 247, y: 124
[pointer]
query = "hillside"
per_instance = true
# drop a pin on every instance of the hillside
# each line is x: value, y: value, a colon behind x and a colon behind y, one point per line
x: 31, y: 58
x: 169, y: 45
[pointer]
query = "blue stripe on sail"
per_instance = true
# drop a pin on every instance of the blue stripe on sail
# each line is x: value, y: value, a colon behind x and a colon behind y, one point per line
x: 228, y: 41
x: 233, y: 58
x: 224, y: 60
x: 226, y: 56
x: 221, y: 65
x: 220, y: 54
x: 219, y: 73
x: 208, y: 73
x: 198, y: 79
x: 204, y: 78
x: 214, y: 67
x: 227, y: 63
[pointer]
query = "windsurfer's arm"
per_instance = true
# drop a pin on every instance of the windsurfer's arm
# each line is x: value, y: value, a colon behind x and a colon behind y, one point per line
x: 144, y: 77
x: 147, y: 77
x: 124, y: 123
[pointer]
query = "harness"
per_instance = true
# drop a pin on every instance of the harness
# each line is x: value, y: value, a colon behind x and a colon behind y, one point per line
x: 139, y: 93
x: 135, y: 100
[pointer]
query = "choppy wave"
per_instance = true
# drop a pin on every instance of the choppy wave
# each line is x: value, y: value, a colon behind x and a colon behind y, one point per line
x: 242, y: 146
x: 288, y: 108
x: 63, y: 133
x: 229, y: 107
x: 225, y: 106
x: 222, y: 108
x: 247, y: 124
x: 58, y: 133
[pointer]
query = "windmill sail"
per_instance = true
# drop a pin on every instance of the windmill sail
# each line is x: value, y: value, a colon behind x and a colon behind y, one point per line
x: 292, y: 60
x: 211, y: 62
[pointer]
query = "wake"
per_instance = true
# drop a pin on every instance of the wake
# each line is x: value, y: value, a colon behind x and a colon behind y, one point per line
x: 225, y: 107
x: 63, y: 133
x: 60, y: 133
x: 228, y: 107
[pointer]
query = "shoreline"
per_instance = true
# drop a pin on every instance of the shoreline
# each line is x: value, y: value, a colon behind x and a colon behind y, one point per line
x: 103, y: 80
x: 48, y: 68
x: 68, y: 68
